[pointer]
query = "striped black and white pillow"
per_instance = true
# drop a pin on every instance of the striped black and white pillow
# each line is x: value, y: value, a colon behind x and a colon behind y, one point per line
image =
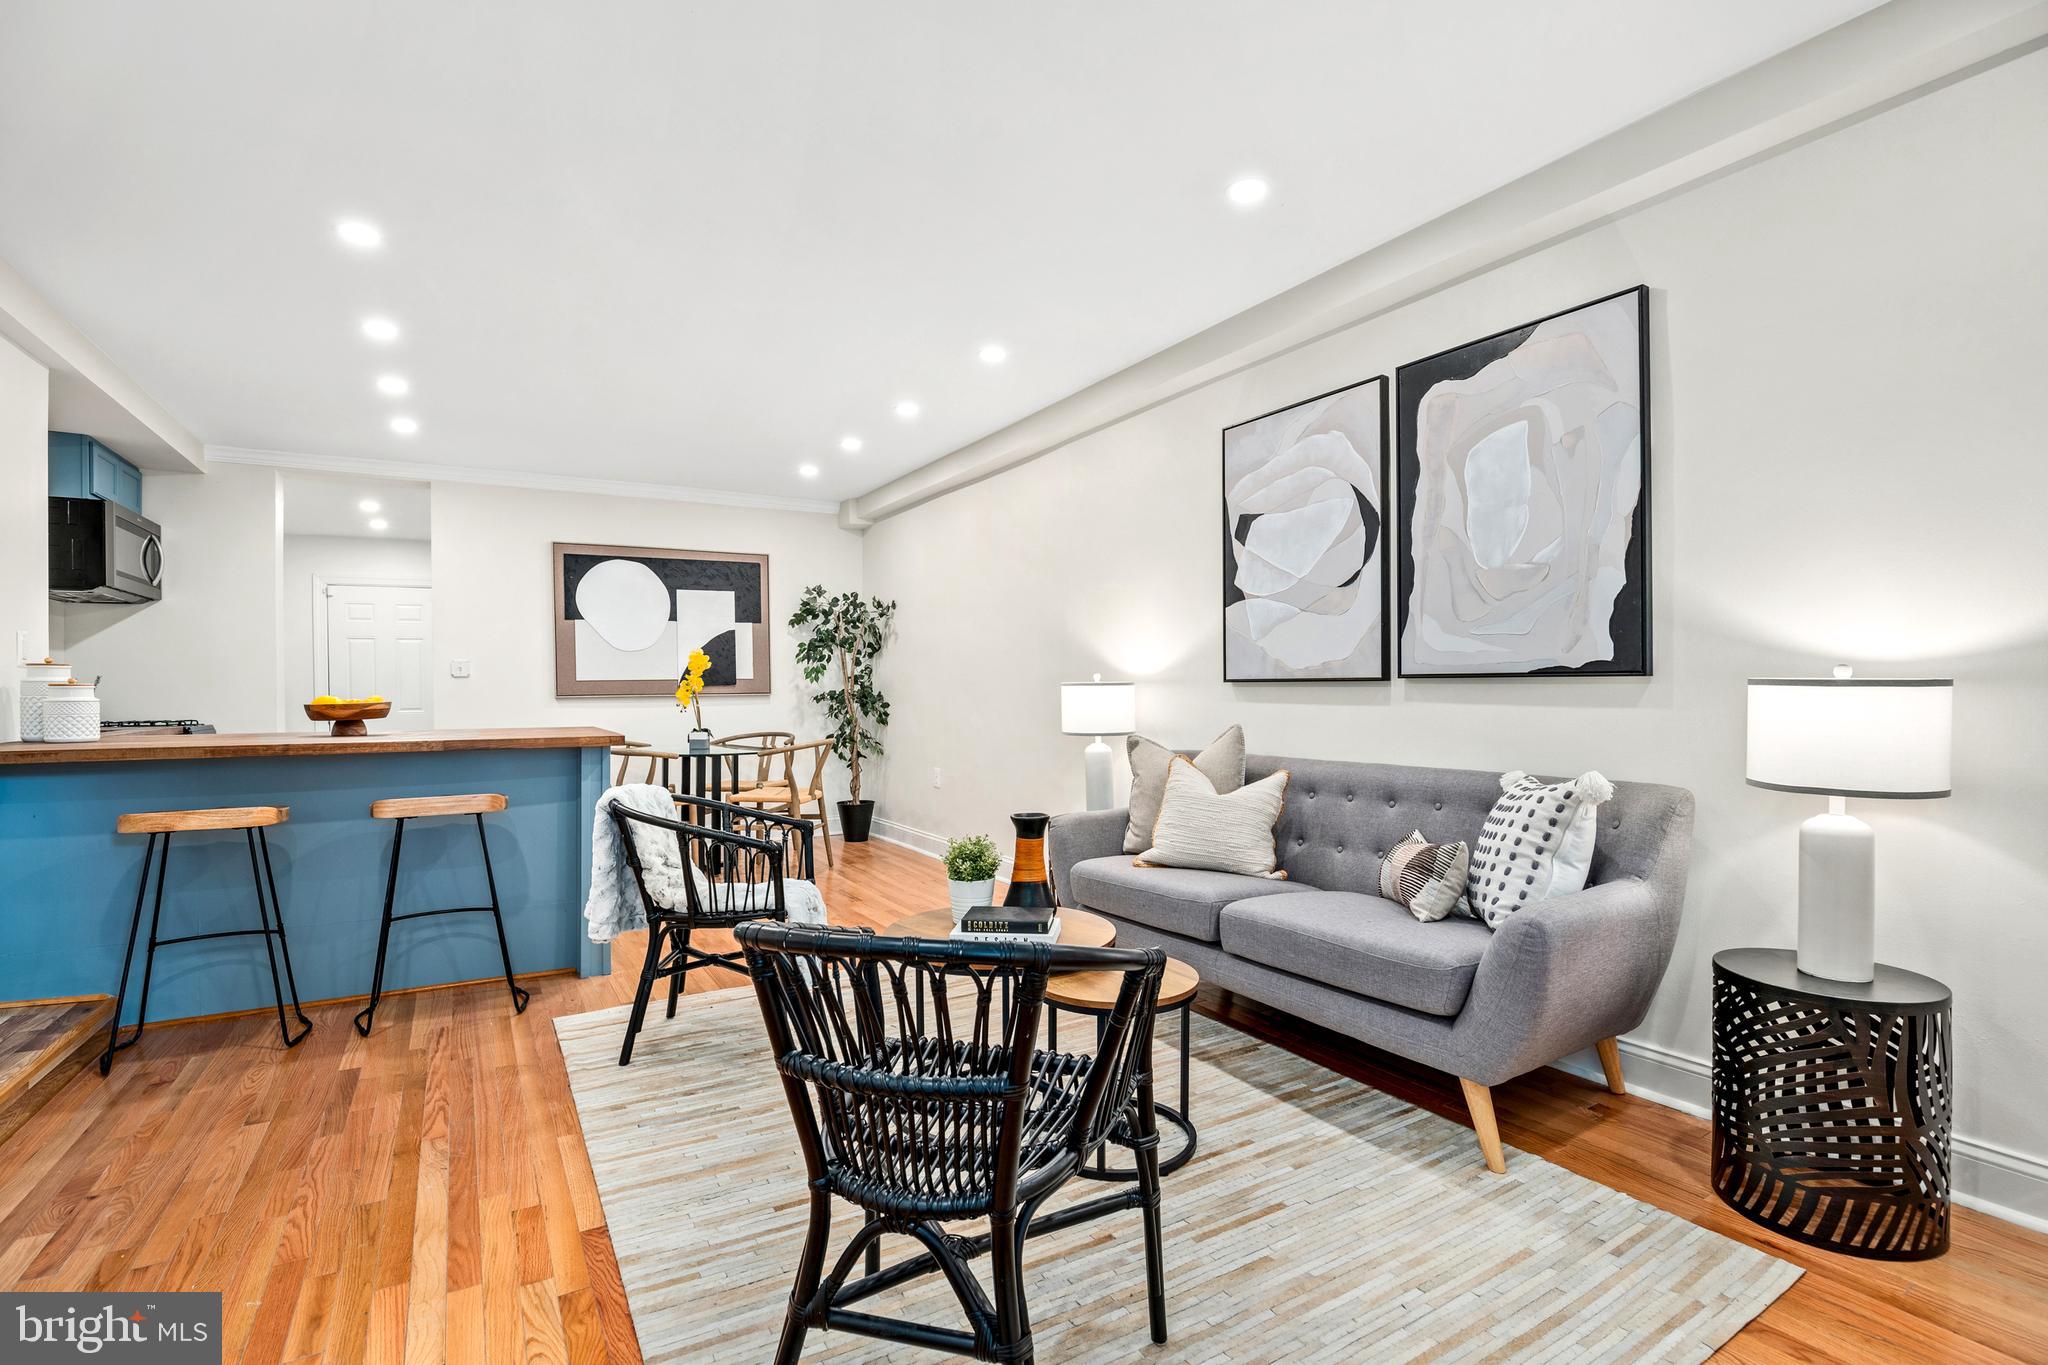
x: 1428, y: 879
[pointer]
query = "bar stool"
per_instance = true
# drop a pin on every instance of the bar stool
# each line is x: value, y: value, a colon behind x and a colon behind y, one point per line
x: 252, y: 821
x: 402, y: 809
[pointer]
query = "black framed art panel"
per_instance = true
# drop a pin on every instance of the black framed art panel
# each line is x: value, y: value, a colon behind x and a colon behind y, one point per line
x: 1305, y: 573
x: 1523, y: 470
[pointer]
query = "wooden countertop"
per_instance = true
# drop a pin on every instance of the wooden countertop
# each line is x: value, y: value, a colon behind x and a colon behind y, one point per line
x: 135, y: 748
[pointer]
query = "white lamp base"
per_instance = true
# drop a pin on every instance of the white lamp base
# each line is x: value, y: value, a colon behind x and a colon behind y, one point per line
x: 1837, y: 896
x: 1096, y: 756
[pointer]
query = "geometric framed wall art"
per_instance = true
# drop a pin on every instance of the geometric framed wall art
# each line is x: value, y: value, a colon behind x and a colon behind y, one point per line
x: 1523, y: 470
x: 627, y: 617
x: 1304, y: 540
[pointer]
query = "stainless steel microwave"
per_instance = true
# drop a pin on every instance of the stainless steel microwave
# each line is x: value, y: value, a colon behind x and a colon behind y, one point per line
x: 102, y: 552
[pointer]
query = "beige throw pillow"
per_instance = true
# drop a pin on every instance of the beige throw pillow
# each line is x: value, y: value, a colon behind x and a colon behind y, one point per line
x: 1222, y: 763
x: 1220, y: 831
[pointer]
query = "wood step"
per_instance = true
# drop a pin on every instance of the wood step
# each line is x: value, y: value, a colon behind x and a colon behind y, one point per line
x: 43, y: 1044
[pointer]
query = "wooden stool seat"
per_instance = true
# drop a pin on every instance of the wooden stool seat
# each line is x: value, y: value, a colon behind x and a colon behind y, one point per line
x: 220, y: 817
x: 413, y: 807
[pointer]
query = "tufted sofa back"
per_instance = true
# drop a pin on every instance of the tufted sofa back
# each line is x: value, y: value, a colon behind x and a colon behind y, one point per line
x: 1341, y: 818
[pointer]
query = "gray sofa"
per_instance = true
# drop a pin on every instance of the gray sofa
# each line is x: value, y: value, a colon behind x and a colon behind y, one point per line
x: 1574, y: 972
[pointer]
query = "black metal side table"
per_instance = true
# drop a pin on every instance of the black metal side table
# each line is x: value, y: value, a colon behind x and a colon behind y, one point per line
x: 1832, y: 1104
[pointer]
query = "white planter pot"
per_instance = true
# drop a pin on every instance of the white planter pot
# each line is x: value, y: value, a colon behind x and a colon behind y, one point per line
x: 967, y: 895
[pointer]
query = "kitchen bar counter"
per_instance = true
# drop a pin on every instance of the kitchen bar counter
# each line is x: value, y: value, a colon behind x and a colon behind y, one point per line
x: 123, y: 747
x: 68, y: 881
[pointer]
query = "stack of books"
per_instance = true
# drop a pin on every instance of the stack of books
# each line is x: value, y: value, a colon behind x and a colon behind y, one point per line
x: 1009, y: 924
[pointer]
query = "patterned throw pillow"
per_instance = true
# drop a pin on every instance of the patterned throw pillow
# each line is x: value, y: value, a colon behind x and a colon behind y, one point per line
x: 1223, y: 832
x: 1537, y: 843
x: 1222, y: 763
x: 1429, y: 879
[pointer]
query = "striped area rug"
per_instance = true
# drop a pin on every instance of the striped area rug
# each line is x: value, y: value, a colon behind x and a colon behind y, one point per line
x: 1320, y: 1221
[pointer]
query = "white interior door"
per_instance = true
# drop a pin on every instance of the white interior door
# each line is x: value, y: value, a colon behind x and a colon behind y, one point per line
x: 377, y: 646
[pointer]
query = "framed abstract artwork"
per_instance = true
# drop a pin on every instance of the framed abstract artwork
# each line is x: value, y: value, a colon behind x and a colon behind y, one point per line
x: 1304, y: 540
x: 1524, y: 489
x: 627, y: 617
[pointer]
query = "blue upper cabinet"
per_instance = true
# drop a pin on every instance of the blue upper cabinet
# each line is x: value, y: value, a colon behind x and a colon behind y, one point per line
x: 81, y: 467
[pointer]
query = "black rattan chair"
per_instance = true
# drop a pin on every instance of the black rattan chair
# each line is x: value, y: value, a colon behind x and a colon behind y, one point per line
x: 926, y: 1116
x: 740, y: 856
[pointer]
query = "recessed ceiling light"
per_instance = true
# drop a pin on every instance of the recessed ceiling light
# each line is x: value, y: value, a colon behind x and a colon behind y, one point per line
x: 993, y: 354
x: 809, y: 471
x: 359, y: 234
x: 405, y: 426
x: 379, y: 524
x: 908, y: 409
x: 369, y: 505
x: 380, y: 329
x: 850, y: 444
x: 394, y: 385
x: 1248, y: 192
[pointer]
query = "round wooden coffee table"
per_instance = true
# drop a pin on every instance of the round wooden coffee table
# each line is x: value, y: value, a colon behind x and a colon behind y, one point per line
x: 1095, y: 993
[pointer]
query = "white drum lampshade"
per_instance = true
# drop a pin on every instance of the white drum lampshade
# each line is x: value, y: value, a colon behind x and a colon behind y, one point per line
x: 1841, y: 737
x: 1098, y: 708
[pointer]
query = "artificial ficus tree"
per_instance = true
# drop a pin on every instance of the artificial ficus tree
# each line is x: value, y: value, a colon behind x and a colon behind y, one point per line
x: 847, y: 631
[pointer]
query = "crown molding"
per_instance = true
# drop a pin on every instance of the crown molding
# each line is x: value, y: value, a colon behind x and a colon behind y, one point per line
x: 1883, y: 58
x: 415, y: 472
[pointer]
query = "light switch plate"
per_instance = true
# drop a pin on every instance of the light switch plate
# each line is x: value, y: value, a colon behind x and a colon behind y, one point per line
x: 458, y: 668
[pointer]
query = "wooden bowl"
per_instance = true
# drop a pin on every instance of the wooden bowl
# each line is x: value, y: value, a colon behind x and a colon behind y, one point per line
x: 348, y: 717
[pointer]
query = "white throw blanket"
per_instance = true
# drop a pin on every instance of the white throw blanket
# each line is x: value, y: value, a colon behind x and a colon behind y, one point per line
x: 614, y: 906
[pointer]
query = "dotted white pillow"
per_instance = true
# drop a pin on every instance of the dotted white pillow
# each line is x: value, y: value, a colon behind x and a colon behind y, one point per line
x: 1537, y: 843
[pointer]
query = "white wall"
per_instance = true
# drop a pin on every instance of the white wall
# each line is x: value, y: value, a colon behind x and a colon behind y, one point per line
x: 494, y: 605
x: 209, y: 650
x: 1847, y: 357
x: 335, y: 559
x: 24, y: 523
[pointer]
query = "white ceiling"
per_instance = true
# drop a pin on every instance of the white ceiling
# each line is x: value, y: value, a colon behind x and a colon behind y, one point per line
x: 331, y: 505
x: 696, y: 244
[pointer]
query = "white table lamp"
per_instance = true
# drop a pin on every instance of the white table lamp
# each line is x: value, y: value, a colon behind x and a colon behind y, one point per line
x: 1098, y: 708
x: 1841, y: 737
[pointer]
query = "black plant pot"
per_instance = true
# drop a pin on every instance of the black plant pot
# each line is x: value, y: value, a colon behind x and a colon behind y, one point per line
x: 854, y: 819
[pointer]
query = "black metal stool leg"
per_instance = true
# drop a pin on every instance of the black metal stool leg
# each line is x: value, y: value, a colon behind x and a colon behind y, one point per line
x: 156, y: 916
x: 134, y: 927
x: 368, y: 1014
x: 283, y: 947
x: 519, y: 993
x: 270, y: 950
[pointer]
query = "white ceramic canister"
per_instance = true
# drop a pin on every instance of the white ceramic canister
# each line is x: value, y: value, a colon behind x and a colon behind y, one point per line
x: 36, y: 677
x: 71, y: 713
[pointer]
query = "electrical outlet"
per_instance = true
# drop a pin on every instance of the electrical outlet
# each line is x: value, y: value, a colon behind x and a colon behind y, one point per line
x: 21, y: 646
x: 458, y: 668
x: 937, y: 777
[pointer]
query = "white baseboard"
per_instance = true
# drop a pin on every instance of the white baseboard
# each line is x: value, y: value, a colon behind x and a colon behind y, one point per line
x: 1991, y: 1179
x: 921, y: 841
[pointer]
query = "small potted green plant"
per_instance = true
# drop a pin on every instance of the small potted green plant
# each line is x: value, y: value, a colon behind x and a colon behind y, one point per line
x: 970, y: 872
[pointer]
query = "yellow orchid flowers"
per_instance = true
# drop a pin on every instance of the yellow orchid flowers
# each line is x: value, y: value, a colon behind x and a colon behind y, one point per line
x: 692, y: 685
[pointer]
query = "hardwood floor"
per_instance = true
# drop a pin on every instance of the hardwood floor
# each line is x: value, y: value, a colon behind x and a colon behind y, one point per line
x: 424, y: 1195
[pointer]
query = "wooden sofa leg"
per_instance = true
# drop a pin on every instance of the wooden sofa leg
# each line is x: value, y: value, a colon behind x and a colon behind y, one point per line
x: 1610, y: 1062
x: 1479, y: 1100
